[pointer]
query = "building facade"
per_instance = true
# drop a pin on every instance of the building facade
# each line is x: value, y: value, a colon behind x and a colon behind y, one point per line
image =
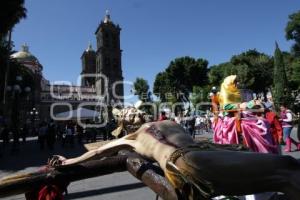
x: 101, y: 76
x: 108, y: 62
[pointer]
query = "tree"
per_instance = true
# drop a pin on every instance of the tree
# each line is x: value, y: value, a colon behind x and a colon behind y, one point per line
x: 141, y: 88
x: 11, y: 12
x: 200, y: 95
x: 161, y: 86
x: 254, y: 71
x: 295, y: 78
x: 4, y: 57
x: 280, y: 90
x: 292, y: 31
x: 216, y: 74
x: 177, y: 81
x: 291, y: 64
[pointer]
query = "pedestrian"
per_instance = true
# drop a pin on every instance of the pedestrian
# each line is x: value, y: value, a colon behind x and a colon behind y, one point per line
x: 5, y: 135
x: 162, y: 116
x: 70, y: 134
x: 286, y: 119
x: 178, y: 118
x: 79, y: 131
x: 275, y: 125
x: 42, y: 135
x: 197, y: 124
x: 24, y: 133
x: 16, y: 135
x: 51, y: 135
x: 190, y: 125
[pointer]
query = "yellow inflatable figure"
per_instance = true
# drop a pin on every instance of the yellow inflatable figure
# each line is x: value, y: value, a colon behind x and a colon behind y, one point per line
x: 229, y: 93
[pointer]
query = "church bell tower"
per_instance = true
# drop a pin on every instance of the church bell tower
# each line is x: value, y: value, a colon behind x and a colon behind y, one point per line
x: 108, y: 61
x: 88, y: 60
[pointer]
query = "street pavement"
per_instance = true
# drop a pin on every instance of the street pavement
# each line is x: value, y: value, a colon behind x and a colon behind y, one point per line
x: 116, y: 186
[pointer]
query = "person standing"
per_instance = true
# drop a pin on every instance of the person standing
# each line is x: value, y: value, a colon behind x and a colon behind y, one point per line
x: 5, y: 135
x: 286, y: 119
x: 275, y: 125
x: 24, y: 133
x: 42, y: 135
x: 51, y: 135
x: 163, y: 116
x: 16, y: 135
x: 79, y: 131
x: 178, y: 119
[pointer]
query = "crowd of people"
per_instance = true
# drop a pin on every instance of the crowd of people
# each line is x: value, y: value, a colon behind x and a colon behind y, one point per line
x: 69, y: 133
x: 66, y: 134
x: 192, y: 124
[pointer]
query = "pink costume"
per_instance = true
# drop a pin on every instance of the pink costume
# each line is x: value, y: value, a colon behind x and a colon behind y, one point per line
x: 255, y: 133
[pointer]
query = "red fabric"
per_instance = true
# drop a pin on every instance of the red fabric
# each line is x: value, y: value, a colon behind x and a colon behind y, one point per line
x: 45, y: 192
x: 50, y: 192
x: 275, y: 128
x: 162, y: 118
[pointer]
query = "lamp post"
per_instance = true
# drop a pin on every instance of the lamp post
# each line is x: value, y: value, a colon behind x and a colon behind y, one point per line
x: 33, y: 113
x: 15, y: 90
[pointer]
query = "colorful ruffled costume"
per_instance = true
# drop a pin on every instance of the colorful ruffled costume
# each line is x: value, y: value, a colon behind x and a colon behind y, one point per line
x: 239, y: 126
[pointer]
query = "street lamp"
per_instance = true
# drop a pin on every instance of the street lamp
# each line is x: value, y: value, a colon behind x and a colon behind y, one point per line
x: 33, y: 114
x: 15, y: 91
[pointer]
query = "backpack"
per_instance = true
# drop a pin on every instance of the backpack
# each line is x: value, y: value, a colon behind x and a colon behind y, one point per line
x: 295, y: 118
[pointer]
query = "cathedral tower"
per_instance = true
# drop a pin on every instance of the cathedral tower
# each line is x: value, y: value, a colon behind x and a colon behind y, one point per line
x: 88, y: 60
x: 108, y: 61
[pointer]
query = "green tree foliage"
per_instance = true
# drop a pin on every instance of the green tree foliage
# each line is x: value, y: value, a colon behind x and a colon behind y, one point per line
x: 218, y: 72
x: 4, y: 57
x: 295, y: 77
x: 254, y: 71
x: 11, y: 12
x: 200, y: 94
x: 292, y: 31
x: 161, y: 86
x: 177, y: 81
x: 280, y: 90
x: 291, y: 64
x: 141, y: 88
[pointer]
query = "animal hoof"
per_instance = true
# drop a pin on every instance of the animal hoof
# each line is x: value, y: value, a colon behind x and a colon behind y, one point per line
x: 56, y: 160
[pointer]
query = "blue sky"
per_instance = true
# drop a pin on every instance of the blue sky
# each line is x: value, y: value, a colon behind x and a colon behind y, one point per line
x: 153, y: 31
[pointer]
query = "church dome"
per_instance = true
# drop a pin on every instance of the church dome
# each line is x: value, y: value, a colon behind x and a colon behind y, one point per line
x: 27, y: 59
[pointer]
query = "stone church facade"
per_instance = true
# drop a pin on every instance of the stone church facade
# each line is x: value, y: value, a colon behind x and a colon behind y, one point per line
x: 101, y: 76
x: 103, y: 68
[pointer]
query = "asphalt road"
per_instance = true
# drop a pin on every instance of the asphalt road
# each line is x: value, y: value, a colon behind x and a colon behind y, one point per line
x: 117, y: 186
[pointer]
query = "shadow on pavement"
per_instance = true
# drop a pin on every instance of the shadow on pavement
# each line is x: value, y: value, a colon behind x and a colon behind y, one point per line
x: 89, y: 193
x: 29, y: 154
